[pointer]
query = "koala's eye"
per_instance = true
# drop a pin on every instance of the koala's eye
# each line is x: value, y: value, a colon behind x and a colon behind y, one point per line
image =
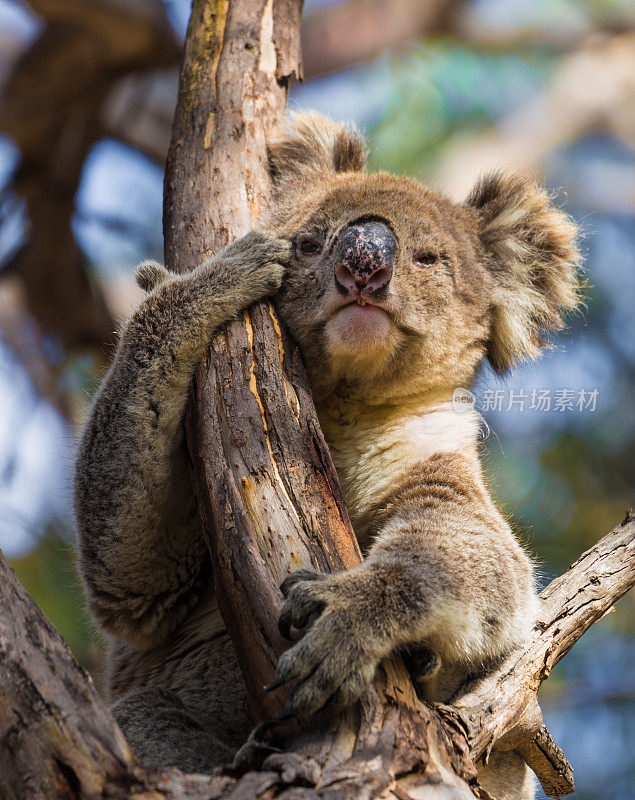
x: 425, y: 259
x: 309, y: 247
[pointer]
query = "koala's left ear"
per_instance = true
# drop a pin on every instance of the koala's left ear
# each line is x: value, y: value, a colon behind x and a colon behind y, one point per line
x: 311, y: 146
x: 531, y: 253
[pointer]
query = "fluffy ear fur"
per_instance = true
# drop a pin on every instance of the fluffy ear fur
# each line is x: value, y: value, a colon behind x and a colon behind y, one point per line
x: 533, y: 258
x: 150, y: 274
x: 314, y: 145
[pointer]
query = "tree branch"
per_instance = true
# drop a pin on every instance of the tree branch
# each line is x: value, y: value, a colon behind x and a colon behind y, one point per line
x: 503, y: 708
x: 57, y: 739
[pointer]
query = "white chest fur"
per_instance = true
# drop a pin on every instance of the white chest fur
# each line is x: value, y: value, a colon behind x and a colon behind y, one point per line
x: 373, y: 446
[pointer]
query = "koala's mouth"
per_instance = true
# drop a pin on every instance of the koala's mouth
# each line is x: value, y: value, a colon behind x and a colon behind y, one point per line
x: 363, y: 310
x: 359, y: 324
x: 364, y: 304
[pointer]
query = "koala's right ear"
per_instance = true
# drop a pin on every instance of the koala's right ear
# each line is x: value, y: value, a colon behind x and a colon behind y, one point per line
x: 533, y: 259
x: 150, y: 274
x: 314, y: 145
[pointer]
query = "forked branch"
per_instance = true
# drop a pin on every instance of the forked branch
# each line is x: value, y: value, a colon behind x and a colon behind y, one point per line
x: 502, y: 708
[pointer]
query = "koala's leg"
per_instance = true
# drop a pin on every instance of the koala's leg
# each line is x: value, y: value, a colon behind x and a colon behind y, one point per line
x: 141, y: 548
x: 163, y: 733
x: 507, y: 777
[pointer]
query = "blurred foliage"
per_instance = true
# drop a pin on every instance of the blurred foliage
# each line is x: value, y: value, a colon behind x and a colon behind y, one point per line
x: 441, y: 93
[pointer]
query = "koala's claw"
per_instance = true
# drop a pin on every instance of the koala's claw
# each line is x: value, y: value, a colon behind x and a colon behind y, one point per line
x: 300, y: 575
x: 257, y: 748
x: 304, y: 598
x: 334, y: 661
x: 331, y: 685
x: 271, y: 687
x: 277, y: 719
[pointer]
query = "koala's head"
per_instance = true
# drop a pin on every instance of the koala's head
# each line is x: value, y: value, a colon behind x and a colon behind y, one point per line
x: 396, y: 290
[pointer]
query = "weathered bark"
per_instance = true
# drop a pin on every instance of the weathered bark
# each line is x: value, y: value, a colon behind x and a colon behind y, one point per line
x: 268, y: 490
x: 240, y: 56
x: 58, y: 740
x: 55, y: 732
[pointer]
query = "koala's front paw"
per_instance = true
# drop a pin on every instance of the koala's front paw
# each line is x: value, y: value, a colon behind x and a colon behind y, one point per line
x: 335, y: 660
x: 258, y: 260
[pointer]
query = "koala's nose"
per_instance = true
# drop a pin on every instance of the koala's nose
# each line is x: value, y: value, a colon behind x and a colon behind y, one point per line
x: 364, y: 257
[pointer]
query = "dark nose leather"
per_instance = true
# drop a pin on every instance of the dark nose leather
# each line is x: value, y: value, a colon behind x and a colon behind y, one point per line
x: 365, y: 253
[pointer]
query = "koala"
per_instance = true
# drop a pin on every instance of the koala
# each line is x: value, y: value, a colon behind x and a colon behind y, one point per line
x: 395, y: 296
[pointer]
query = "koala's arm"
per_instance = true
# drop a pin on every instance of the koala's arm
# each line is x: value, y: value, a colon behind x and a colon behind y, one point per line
x: 141, y: 548
x: 444, y: 570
